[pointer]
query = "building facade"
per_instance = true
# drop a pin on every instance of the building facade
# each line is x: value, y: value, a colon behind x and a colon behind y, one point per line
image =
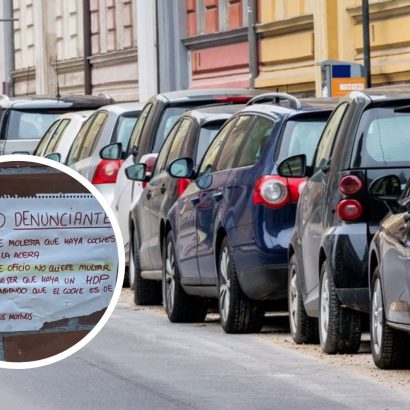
x: 73, y: 38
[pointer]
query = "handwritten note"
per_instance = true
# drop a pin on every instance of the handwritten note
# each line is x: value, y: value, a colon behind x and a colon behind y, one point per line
x: 58, y: 259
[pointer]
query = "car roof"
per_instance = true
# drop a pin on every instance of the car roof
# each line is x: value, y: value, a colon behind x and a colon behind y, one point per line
x: 123, y: 107
x: 44, y: 102
x: 383, y: 93
x: 213, y: 113
x: 187, y: 95
x: 76, y: 114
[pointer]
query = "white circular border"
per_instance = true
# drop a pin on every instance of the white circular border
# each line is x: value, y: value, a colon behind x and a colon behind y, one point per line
x: 121, y: 263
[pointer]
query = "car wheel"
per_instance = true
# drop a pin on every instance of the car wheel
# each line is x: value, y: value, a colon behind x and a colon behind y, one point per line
x: 339, y: 328
x: 179, y: 306
x: 146, y: 292
x: 131, y: 266
x: 388, y: 345
x: 303, y: 329
x: 238, y: 313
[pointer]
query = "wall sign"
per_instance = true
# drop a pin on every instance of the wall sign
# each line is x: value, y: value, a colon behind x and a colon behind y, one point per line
x: 58, y: 259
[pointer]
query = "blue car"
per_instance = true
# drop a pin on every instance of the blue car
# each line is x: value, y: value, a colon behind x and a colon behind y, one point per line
x: 227, y: 236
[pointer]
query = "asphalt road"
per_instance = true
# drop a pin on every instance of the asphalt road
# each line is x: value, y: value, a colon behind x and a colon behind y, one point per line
x: 141, y: 361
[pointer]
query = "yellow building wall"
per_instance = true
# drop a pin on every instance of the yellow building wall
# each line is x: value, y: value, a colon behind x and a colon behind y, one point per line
x: 294, y: 35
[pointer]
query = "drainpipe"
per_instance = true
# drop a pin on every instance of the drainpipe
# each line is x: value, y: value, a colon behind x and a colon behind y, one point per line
x: 366, y: 42
x: 87, y: 47
x: 253, y: 43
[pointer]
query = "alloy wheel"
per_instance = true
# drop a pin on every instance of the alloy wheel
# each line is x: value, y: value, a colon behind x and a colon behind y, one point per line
x: 377, y: 317
x: 324, y: 306
x: 169, y: 278
x: 225, y: 285
x: 293, y: 300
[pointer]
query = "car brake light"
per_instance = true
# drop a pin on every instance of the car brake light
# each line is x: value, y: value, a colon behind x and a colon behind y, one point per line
x: 349, y: 209
x: 350, y: 185
x: 275, y: 191
x: 106, y: 171
x: 240, y: 99
x: 182, y: 186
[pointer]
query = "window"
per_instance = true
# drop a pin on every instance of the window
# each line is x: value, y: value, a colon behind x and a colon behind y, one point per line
x: 56, y: 137
x: 29, y: 124
x: 123, y: 129
x: 324, y: 150
x: 301, y: 136
x: 211, y: 155
x: 139, y: 126
x: 92, y: 135
x: 74, y: 154
x: 41, y: 147
x: 168, y: 118
x: 233, y: 143
x: 206, y: 136
x: 383, y: 138
x: 180, y: 141
x: 163, y: 153
x: 255, y: 142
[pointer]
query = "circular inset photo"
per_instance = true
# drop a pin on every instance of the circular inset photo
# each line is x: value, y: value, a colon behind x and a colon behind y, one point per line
x: 61, y: 261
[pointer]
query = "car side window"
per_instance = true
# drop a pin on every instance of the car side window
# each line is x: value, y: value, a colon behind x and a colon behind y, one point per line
x: 74, y: 153
x: 325, y: 147
x: 42, y: 146
x: 233, y: 143
x: 139, y: 125
x: 56, y: 136
x: 255, y: 142
x: 93, y: 134
x: 208, y: 164
x: 163, y: 153
x: 179, y: 144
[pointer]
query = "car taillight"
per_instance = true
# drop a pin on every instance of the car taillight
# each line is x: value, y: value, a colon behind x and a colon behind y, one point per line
x: 150, y: 165
x: 349, y: 209
x: 275, y: 191
x: 350, y: 185
x: 182, y: 186
x: 106, y: 171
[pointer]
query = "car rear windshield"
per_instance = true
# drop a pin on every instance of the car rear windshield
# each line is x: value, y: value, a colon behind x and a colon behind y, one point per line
x: 206, y: 136
x: 168, y: 119
x: 301, y: 136
x: 383, y: 138
x: 29, y: 124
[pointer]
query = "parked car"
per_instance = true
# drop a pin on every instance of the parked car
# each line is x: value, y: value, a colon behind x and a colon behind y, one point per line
x: 226, y: 237
x: 157, y: 118
x: 190, y: 137
x: 111, y: 124
x: 57, y: 140
x: 23, y: 121
x: 367, y: 137
x: 389, y: 277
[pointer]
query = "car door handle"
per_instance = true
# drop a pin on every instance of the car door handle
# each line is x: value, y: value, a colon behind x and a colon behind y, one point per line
x: 163, y: 189
x: 218, y: 196
x: 195, y: 200
x: 149, y: 195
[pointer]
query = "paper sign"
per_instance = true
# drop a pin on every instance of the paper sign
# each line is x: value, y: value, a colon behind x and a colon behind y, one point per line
x: 58, y: 259
x: 343, y: 86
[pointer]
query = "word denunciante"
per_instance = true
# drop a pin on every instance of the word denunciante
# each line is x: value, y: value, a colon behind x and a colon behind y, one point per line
x: 57, y: 219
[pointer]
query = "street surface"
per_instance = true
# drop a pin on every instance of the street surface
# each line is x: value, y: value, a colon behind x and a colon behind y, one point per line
x: 141, y: 361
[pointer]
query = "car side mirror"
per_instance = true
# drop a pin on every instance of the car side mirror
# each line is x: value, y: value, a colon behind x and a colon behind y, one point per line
x: 137, y: 172
x: 112, y: 151
x: 182, y: 168
x: 54, y: 156
x: 294, y: 167
x: 388, y: 190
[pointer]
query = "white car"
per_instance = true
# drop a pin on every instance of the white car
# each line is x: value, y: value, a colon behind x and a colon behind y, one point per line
x: 58, y: 139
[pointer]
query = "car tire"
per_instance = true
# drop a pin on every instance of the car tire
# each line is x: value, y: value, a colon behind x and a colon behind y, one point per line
x: 146, y: 292
x: 179, y: 306
x: 238, y: 313
x: 389, y: 346
x: 303, y: 329
x: 339, y: 328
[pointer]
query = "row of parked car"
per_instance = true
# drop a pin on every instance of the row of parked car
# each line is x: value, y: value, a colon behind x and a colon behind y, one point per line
x: 260, y: 199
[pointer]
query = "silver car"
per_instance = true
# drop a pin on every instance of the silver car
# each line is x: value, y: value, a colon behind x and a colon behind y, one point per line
x: 108, y: 125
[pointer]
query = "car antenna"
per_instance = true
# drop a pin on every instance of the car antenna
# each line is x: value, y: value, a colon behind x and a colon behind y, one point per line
x: 58, y: 84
